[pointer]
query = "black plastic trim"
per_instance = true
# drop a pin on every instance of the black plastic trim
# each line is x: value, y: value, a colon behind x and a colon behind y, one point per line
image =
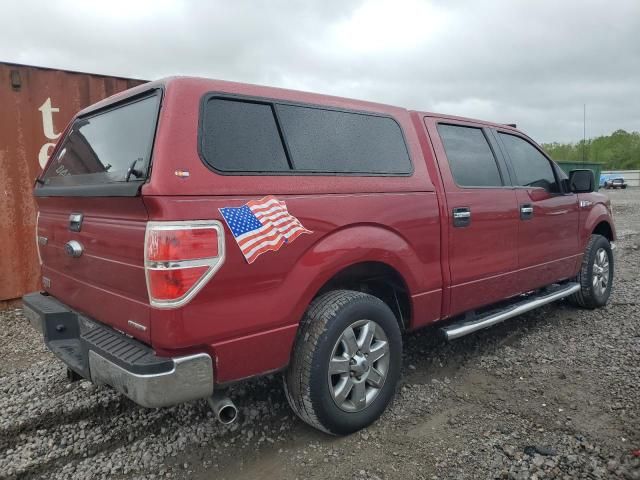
x: 71, y: 335
x: 283, y: 138
x: 124, y: 351
x: 119, y: 189
x: 274, y: 102
x: 509, y: 178
x: 564, y: 182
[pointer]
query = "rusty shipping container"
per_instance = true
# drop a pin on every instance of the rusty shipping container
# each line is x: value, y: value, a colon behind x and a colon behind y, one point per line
x: 36, y: 104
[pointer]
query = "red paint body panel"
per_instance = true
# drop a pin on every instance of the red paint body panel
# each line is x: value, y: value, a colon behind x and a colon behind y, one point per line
x: 548, y: 242
x: 243, y: 300
x: 176, y: 147
x: 597, y: 212
x: 107, y: 282
x: 236, y: 358
x: 483, y: 257
x: 247, y: 315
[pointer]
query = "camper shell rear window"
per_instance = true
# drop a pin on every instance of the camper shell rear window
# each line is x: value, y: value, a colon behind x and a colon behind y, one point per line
x: 110, y: 146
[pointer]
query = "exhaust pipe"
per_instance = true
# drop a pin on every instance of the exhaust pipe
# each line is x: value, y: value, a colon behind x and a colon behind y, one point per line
x: 224, y: 408
x: 72, y: 376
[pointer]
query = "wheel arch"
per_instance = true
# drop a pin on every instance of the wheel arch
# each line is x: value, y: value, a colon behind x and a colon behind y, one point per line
x: 359, y: 257
x: 599, y: 222
x: 604, y: 228
x: 378, y: 279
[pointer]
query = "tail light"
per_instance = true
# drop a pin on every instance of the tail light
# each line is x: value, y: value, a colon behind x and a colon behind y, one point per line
x: 180, y: 258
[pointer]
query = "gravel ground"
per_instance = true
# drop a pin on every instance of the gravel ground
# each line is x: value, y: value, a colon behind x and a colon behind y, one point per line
x: 552, y: 394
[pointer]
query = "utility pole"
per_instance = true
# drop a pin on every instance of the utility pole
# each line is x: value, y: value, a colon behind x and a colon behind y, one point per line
x: 584, y: 131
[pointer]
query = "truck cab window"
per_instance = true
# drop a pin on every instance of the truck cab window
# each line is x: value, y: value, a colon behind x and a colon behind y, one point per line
x: 532, y: 169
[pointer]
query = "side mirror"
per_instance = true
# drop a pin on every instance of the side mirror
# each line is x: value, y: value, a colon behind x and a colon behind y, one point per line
x: 581, y: 181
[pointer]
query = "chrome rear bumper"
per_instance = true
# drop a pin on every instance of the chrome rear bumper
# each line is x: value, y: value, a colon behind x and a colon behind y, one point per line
x: 190, y: 378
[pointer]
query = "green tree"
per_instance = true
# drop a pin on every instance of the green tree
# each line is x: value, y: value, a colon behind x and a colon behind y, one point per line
x: 618, y: 151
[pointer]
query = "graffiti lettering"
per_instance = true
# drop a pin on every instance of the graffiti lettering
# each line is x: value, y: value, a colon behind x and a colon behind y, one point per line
x: 47, y: 126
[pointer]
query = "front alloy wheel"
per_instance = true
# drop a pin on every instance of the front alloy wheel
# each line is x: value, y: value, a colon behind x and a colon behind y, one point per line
x: 596, y: 274
x: 601, y: 272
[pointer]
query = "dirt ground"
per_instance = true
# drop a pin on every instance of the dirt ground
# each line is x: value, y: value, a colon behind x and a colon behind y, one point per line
x: 551, y: 394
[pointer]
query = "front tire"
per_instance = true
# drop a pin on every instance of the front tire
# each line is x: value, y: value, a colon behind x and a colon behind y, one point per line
x: 596, y: 274
x: 346, y: 362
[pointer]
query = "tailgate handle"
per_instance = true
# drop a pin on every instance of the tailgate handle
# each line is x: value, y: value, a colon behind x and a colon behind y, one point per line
x: 75, y: 222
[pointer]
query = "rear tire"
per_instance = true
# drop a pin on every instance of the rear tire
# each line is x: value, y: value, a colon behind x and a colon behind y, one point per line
x: 596, y: 274
x: 346, y: 362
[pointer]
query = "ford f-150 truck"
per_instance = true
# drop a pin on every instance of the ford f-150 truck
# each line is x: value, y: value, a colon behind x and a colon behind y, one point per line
x: 194, y: 233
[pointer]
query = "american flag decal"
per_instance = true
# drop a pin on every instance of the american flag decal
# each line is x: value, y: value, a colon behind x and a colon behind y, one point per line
x: 262, y: 225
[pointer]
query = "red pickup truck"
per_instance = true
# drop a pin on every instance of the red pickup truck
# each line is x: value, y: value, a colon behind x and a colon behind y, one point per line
x: 193, y: 233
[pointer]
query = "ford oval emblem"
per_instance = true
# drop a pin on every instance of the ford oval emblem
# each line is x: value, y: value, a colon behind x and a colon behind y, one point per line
x: 73, y: 248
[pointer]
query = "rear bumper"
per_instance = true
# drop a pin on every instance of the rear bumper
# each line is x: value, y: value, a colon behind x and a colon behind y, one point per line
x: 106, y: 356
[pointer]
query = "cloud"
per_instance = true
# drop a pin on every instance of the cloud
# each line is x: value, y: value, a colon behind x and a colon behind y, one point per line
x: 534, y: 64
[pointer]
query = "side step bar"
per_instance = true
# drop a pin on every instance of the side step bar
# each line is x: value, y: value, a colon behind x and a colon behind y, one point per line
x: 551, y: 294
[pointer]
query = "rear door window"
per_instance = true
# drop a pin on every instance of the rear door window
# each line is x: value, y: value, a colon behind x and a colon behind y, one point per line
x: 105, y: 147
x: 470, y: 157
x: 531, y: 167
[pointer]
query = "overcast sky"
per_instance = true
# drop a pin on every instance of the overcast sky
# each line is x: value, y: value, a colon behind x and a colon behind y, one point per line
x: 533, y: 63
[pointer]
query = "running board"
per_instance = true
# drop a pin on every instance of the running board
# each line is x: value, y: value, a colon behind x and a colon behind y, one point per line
x: 466, y: 326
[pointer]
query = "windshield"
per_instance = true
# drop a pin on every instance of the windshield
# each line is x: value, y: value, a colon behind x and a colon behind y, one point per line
x: 111, y: 146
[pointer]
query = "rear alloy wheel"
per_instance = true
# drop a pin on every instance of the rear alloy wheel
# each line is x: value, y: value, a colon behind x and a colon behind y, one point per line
x: 596, y: 274
x: 346, y: 362
x: 359, y: 365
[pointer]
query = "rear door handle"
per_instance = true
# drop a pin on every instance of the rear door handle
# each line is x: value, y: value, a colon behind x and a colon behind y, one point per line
x: 461, y: 216
x: 526, y: 211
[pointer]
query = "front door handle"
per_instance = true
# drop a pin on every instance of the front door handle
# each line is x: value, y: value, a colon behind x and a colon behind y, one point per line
x: 526, y: 211
x: 461, y: 216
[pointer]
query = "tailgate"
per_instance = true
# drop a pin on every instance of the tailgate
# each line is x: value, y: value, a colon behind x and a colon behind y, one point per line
x: 92, y: 219
x: 107, y: 280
